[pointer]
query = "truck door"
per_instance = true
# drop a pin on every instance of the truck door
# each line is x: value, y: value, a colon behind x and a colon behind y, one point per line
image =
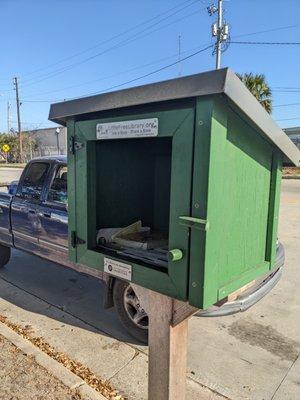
x: 5, y: 234
x: 24, y: 218
x: 53, y: 237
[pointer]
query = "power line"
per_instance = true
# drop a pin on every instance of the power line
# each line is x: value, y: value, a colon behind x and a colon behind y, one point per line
x: 118, y: 45
x: 151, y: 73
x: 143, y: 23
x: 130, y: 39
x: 267, y: 43
x: 147, y: 21
x: 286, y: 90
x: 286, y: 87
x: 114, y: 75
x: 252, y: 33
x: 268, y: 30
x: 127, y: 82
x: 31, y: 122
x: 288, y: 119
x: 286, y: 105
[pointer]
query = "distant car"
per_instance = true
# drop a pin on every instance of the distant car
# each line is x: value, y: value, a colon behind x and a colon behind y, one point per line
x: 34, y: 218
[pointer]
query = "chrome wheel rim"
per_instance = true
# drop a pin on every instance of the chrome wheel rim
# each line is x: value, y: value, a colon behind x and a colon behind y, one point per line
x: 134, y: 309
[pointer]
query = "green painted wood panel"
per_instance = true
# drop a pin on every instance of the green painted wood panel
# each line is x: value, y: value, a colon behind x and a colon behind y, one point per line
x: 274, y: 207
x: 203, y: 121
x: 176, y: 131
x: 237, y: 204
x: 218, y: 168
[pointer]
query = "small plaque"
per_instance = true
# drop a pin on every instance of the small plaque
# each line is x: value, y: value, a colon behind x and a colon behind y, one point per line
x: 128, y: 129
x: 117, y: 268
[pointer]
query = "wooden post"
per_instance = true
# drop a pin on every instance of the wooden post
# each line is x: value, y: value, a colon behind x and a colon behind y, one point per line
x: 168, y: 330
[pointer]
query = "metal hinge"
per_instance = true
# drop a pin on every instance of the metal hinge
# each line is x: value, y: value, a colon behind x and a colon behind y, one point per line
x: 192, y: 222
x: 75, y: 240
x: 74, y: 145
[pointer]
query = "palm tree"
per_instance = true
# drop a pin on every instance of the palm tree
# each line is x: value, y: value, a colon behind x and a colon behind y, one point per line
x: 258, y: 86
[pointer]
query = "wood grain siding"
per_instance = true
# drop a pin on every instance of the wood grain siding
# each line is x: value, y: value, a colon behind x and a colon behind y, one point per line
x: 238, y: 204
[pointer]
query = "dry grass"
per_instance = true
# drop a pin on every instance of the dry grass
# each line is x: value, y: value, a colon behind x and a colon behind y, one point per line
x: 97, y: 383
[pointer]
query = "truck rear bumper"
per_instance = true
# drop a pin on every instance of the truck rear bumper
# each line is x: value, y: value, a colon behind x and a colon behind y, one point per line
x: 252, y: 295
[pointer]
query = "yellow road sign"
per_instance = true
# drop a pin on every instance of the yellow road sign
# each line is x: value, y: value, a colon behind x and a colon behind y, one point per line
x: 6, y: 148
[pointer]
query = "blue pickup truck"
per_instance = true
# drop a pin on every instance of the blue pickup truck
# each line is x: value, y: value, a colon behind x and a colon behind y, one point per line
x: 34, y: 218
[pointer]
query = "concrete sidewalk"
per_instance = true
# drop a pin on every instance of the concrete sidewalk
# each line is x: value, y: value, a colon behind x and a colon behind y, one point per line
x: 253, y: 356
x: 121, y: 364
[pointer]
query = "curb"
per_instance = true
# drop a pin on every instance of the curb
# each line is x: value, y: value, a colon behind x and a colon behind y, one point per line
x: 13, y: 166
x: 67, y: 377
x: 290, y: 176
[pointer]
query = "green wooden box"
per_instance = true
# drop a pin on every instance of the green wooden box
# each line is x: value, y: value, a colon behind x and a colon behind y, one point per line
x: 196, y: 159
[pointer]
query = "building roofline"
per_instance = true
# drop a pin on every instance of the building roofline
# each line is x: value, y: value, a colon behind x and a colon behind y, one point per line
x: 43, y: 129
x: 292, y: 128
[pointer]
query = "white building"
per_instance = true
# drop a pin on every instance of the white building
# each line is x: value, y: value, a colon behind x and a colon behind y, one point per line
x: 49, y: 141
x: 294, y: 135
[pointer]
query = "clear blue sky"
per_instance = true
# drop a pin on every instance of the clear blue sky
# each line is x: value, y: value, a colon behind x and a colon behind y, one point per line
x: 55, y: 46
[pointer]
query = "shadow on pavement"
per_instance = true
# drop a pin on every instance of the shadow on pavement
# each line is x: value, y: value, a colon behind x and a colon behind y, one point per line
x: 78, y: 295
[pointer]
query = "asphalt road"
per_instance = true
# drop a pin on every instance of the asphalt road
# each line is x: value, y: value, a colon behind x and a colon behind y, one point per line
x: 10, y: 174
x: 253, y: 356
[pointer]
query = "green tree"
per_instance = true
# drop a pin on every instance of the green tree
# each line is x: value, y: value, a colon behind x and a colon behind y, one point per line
x: 29, y: 145
x: 12, y: 141
x: 258, y: 86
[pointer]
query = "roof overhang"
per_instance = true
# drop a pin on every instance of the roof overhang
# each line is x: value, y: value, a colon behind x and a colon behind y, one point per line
x: 208, y: 83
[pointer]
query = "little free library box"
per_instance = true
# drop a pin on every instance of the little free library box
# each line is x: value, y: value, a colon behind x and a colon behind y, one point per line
x: 175, y: 185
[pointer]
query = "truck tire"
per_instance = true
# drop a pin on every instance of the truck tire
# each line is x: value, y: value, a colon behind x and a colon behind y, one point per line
x: 131, y: 314
x: 4, y: 255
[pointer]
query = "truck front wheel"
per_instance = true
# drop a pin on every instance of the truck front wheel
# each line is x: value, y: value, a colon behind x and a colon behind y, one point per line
x: 4, y: 255
x: 131, y: 313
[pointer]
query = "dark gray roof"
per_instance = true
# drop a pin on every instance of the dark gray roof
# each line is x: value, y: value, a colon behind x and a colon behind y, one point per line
x: 207, y: 83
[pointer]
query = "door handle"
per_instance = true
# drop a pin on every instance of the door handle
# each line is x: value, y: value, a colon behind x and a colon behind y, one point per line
x: 192, y: 222
x: 44, y: 214
x: 31, y: 211
x: 17, y: 208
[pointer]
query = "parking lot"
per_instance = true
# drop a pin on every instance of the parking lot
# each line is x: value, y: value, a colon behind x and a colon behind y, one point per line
x: 254, y: 355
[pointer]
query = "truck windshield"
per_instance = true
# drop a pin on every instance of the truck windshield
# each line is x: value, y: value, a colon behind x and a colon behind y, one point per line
x: 32, y: 184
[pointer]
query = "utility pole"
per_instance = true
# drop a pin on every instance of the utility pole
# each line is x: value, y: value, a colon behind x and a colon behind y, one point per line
x: 179, y: 55
x: 220, y: 30
x: 18, y: 116
x: 57, y: 132
x: 8, y: 117
x: 219, y: 33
